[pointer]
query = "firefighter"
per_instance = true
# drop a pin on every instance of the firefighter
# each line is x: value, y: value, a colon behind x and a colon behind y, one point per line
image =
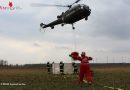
x: 75, y: 68
x: 49, y: 67
x: 84, y: 66
x: 61, y: 67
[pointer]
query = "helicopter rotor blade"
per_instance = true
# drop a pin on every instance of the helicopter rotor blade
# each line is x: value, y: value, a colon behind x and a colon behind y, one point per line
x: 52, y: 5
x: 45, y: 5
x: 75, y: 2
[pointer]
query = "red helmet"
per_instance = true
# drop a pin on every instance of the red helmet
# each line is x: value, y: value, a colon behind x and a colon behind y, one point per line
x: 83, y: 54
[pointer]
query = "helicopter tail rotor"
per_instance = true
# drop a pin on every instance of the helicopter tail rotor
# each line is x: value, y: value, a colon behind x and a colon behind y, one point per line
x: 42, y: 25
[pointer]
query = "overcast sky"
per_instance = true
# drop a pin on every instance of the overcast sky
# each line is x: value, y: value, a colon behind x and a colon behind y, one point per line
x: 105, y: 34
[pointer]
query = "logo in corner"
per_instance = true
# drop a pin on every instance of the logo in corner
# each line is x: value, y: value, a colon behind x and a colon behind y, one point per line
x: 10, y: 6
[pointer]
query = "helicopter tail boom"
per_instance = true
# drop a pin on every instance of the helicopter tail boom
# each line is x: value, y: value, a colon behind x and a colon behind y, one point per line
x: 42, y: 25
x: 52, y: 24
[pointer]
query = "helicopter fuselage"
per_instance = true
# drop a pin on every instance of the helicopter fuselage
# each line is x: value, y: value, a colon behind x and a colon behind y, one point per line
x: 72, y: 15
x: 76, y: 13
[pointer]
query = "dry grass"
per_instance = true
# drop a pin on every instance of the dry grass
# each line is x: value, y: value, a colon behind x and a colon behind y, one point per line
x: 39, y: 79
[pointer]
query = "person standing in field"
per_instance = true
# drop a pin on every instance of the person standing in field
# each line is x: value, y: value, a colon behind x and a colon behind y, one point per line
x: 84, y: 66
x: 75, y: 68
x: 49, y: 67
x: 61, y: 67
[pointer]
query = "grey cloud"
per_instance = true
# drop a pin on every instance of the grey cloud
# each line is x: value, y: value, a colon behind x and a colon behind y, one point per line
x: 36, y: 44
x: 63, y: 48
x: 109, y: 22
x: 113, y: 22
x: 124, y: 50
x: 114, y: 50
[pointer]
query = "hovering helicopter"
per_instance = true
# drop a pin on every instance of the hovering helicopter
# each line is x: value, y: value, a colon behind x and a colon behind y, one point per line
x: 72, y: 15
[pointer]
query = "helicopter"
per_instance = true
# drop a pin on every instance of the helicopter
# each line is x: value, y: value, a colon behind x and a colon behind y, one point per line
x: 70, y: 16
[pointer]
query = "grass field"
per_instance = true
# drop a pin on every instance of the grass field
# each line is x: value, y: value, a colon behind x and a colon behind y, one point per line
x: 39, y: 79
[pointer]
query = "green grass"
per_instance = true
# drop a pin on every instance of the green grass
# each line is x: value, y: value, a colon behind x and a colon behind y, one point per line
x: 39, y: 79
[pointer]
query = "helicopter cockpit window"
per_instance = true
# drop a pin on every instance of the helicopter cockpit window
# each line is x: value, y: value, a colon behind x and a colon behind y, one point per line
x: 86, y: 7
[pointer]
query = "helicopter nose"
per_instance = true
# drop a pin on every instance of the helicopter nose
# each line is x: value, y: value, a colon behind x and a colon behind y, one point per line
x: 89, y: 12
x: 86, y: 7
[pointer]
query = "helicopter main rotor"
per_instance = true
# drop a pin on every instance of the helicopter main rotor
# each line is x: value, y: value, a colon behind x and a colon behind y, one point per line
x: 46, y: 5
x: 53, y: 5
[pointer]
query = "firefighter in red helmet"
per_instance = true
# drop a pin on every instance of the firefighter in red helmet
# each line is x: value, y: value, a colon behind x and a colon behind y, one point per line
x: 84, y: 66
